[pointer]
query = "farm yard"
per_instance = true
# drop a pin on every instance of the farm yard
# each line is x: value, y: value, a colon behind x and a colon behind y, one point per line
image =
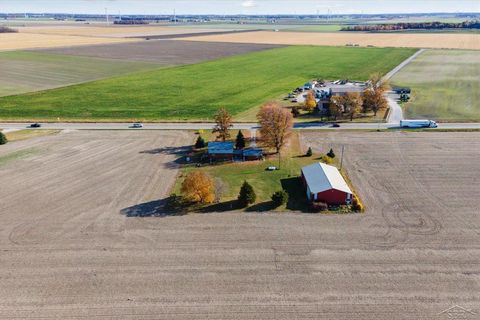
x: 402, y: 40
x: 60, y: 235
x: 445, y: 86
x: 231, y: 175
x: 24, y: 71
x: 195, y: 92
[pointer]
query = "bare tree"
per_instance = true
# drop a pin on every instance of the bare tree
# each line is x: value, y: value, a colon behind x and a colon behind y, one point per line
x: 377, y: 83
x: 275, y: 125
x: 223, y: 122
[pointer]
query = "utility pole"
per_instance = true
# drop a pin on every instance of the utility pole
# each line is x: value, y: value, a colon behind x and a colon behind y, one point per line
x: 341, y: 159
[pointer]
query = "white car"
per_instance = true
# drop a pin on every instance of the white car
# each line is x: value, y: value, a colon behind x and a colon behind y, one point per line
x: 136, y: 126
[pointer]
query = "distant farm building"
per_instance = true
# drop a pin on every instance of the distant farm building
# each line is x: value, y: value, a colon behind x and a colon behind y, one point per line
x: 327, y: 90
x: 324, y: 183
x: 225, y: 151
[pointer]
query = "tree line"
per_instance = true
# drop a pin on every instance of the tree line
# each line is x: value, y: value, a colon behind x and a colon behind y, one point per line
x: 435, y: 25
x: 7, y: 30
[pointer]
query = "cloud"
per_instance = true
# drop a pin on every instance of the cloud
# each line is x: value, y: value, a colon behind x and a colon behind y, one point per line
x: 249, y: 4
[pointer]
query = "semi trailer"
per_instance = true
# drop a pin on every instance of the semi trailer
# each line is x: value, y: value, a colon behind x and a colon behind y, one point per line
x: 418, y: 124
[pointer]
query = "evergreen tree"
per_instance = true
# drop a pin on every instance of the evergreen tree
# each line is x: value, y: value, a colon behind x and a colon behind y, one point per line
x: 309, y: 152
x: 200, y: 143
x: 3, y: 138
x: 240, y: 141
x: 247, y: 195
x: 331, y: 154
x: 279, y: 198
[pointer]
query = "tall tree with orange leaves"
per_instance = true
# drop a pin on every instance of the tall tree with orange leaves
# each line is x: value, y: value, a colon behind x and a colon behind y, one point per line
x: 198, y: 187
x: 310, y: 102
x: 223, y: 121
x: 275, y: 125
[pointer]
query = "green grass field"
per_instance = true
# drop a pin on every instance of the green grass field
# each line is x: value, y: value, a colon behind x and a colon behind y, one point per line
x: 445, y: 85
x: 24, y: 71
x: 195, y: 92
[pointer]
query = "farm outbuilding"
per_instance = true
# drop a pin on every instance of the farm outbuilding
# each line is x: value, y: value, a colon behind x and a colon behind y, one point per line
x: 252, y: 154
x: 324, y: 183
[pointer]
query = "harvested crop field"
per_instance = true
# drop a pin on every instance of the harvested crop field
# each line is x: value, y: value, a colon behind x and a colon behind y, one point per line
x: 116, y: 31
x: 20, y: 41
x: 24, y: 71
x: 167, y: 52
x: 447, y: 41
x: 70, y: 251
x: 445, y: 86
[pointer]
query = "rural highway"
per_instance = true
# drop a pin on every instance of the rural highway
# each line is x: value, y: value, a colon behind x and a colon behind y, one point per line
x: 209, y: 126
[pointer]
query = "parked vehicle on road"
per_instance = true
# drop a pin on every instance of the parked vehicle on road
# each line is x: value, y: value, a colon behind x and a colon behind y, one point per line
x: 418, y: 124
x: 136, y: 125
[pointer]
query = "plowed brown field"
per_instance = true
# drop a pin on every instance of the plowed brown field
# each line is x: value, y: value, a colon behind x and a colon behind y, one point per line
x: 68, y: 250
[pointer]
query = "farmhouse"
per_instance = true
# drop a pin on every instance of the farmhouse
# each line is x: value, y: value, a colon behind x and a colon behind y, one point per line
x: 324, y: 183
x: 224, y: 151
x: 221, y: 151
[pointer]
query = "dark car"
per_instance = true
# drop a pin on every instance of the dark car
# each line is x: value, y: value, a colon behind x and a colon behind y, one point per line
x: 35, y: 125
x: 136, y: 125
x: 335, y: 125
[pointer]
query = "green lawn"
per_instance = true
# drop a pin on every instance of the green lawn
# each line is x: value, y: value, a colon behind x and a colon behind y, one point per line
x: 265, y: 183
x: 195, y: 92
x: 445, y: 86
x: 24, y: 71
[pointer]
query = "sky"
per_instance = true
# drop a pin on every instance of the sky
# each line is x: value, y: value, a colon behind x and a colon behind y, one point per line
x: 238, y: 6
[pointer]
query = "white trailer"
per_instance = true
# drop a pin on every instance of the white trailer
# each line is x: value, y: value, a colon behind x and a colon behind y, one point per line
x: 418, y: 124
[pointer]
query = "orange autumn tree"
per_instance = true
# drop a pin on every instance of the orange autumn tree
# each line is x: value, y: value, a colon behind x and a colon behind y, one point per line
x: 310, y: 102
x: 198, y: 187
x: 223, y: 123
x: 275, y: 125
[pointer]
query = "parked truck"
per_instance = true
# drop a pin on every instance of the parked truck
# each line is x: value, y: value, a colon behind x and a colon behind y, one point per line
x: 418, y: 124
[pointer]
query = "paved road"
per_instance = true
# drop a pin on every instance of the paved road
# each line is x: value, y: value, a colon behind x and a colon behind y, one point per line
x: 396, y: 112
x: 209, y: 126
x: 395, y: 70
